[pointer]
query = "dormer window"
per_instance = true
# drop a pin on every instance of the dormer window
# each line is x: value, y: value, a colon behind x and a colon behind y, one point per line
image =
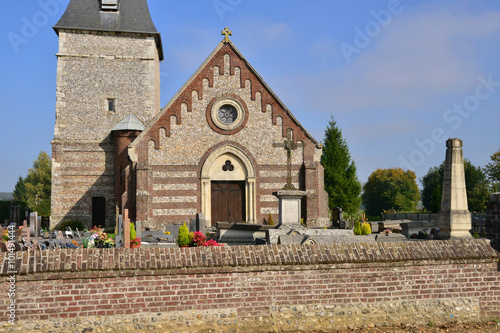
x: 109, y: 5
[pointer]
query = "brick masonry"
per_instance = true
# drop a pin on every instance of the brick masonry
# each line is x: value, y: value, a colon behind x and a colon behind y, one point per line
x: 256, y: 288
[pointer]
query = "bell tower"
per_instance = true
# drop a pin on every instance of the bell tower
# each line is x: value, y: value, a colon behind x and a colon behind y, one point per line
x: 108, y: 69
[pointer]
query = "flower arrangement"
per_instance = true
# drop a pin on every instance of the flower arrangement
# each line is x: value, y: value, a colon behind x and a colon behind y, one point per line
x: 387, y: 232
x: 136, y: 242
x: 199, y: 239
x: 99, y: 239
x: 5, y: 236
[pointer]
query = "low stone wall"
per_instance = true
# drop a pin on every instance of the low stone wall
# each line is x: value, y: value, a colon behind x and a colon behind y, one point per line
x: 253, y: 288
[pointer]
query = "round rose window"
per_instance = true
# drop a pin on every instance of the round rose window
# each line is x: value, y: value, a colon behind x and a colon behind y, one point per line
x: 227, y: 114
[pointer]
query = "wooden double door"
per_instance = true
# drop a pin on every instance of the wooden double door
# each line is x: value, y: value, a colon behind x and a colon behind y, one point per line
x: 228, y: 201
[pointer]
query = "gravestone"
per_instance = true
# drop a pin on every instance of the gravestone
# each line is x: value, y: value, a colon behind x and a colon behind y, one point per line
x: 33, y: 223
x: 201, y: 223
x: 138, y: 229
x: 126, y: 229
x: 38, y: 226
x: 119, y: 235
x: 25, y: 234
x: 454, y: 216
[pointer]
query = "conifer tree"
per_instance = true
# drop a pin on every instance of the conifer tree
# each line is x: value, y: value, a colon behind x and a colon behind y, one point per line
x: 341, y: 181
x: 20, y: 193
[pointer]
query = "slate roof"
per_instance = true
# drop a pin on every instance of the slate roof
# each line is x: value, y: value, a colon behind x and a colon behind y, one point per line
x: 133, y: 16
x: 130, y: 123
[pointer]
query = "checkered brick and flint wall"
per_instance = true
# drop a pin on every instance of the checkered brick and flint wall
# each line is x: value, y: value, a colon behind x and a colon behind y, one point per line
x: 92, y: 68
x: 254, y: 288
x: 172, y: 152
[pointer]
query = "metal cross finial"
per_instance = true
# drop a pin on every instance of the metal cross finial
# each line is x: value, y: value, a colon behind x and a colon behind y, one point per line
x: 288, y: 145
x: 226, y: 33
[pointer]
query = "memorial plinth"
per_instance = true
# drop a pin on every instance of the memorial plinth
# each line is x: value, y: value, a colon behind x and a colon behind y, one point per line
x: 291, y: 231
x: 290, y: 203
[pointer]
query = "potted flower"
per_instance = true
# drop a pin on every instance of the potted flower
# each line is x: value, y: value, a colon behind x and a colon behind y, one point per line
x: 135, y: 243
x: 387, y: 232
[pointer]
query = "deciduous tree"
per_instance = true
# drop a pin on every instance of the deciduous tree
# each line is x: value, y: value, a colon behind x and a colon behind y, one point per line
x: 36, y: 187
x: 391, y: 189
x: 341, y: 181
x: 476, y: 185
x: 492, y: 169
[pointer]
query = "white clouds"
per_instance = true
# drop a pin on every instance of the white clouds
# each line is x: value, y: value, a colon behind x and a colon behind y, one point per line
x: 419, y: 58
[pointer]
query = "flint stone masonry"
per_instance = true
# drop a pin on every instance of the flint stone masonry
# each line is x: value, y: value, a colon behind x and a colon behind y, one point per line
x: 255, y: 289
x: 92, y: 67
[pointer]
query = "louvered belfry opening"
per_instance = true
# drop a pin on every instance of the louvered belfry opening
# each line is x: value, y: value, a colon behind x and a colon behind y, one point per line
x: 109, y: 5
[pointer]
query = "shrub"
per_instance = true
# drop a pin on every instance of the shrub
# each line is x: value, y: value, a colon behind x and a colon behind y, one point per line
x: 366, y: 228
x: 132, y: 231
x: 73, y: 224
x: 183, y: 238
x: 357, y: 228
x: 270, y: 220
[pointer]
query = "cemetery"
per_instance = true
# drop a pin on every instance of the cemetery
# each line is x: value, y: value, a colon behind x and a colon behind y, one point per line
x: 292, y: 278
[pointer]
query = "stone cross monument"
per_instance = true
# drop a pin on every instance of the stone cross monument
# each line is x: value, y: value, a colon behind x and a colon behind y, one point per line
x: 454, y: 217
x: 289, y: 146
x: 290, y: 199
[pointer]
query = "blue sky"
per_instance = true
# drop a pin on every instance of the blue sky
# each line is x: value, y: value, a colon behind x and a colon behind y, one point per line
x: 399, y: 77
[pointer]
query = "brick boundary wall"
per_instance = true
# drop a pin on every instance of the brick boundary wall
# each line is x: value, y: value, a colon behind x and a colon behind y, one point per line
x: 254, y: 288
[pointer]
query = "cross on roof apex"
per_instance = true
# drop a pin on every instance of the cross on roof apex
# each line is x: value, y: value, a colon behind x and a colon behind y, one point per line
x: 226, y: 33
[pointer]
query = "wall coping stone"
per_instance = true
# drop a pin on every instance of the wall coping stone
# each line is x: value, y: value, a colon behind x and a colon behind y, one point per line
x: 216, y: 259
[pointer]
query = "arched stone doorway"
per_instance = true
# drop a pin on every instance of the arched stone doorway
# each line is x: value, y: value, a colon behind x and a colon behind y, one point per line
x: 228, y: 187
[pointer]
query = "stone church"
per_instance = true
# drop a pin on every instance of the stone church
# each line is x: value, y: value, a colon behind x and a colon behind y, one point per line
x: 216, y: 148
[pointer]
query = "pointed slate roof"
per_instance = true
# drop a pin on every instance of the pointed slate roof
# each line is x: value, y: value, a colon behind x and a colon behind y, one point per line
x: 222, y: 44
x: 130, y: 123
x: 132, y: 16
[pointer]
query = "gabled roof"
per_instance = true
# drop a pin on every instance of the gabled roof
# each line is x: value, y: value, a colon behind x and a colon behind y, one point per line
x: 132, y: 16
x: 130, y: 123
x: 200, y: 69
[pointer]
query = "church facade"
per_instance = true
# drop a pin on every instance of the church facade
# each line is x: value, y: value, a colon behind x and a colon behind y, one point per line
x: 216, y: 148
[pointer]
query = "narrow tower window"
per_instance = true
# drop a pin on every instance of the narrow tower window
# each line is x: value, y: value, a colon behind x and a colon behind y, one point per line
x: 109, y: 5
x: 111, y: 105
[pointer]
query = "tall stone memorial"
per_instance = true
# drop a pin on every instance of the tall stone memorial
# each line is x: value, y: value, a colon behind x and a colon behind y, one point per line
x: 454, y: 217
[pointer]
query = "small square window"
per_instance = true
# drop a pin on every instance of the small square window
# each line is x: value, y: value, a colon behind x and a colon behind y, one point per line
x: 111, y: 105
